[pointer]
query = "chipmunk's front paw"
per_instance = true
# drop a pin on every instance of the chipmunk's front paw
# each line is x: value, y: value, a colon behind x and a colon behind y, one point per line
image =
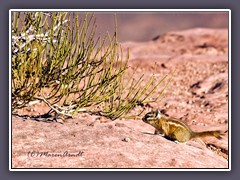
x: 157, y: 132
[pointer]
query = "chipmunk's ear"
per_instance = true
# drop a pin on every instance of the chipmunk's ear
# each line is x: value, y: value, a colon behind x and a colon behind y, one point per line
x: 158, y: 113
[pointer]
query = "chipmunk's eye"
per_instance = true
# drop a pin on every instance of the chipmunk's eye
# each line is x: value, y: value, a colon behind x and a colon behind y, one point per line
x: 146, y: 116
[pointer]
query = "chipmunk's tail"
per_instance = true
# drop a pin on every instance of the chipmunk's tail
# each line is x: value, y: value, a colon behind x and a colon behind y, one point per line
x: 217, y: 134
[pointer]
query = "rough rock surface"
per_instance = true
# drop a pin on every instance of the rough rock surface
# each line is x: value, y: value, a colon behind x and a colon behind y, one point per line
x: 198, y: 95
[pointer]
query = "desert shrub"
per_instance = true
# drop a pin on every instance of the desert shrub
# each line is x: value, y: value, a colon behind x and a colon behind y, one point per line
x: 57, y: 59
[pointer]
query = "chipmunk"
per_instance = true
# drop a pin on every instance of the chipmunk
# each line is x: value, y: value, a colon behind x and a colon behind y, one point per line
x: 174, y: 129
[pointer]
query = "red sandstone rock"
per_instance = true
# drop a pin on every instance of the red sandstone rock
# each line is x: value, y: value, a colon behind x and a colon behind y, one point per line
x: 198, y: 94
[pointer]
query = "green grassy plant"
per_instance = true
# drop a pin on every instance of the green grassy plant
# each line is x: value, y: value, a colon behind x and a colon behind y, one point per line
x: 58, y: 53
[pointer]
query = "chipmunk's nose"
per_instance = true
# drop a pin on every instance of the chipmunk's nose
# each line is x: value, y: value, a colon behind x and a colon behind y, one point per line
x: 144, y: 119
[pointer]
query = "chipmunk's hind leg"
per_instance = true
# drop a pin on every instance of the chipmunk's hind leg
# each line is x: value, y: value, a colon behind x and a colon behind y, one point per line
x: 174, y: 140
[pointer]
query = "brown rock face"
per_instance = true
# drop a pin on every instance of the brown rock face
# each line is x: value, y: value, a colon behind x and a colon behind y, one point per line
x: 198, y: 95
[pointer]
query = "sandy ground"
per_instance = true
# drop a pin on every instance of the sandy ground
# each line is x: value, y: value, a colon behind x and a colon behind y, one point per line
x: 198, y: 95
